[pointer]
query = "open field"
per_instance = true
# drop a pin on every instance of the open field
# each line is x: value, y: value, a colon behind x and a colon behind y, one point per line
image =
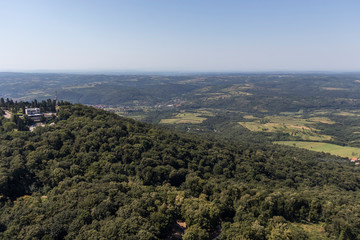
x: 249, y: 117
x: 208, y: 93
x: 186, y: 117
x: 237, y: 87
x: 348, y: 114
x: 294, y: 126
x: 87, y: 85
x: 205, y: 112
x: 341, y: 151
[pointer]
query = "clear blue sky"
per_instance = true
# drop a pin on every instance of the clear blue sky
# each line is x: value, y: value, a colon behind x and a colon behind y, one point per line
x: 180, y: 35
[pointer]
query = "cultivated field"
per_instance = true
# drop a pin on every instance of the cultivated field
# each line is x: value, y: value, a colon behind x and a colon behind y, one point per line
x: 341, y: 151
x: 186, y: 117
x: 292, y: 125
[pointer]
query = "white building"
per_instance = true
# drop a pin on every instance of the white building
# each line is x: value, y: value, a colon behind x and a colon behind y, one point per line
x: 32, y: 111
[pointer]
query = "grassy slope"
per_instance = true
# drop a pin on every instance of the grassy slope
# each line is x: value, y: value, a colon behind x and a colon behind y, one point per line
x: 186, y: 117
x: 324, y: 147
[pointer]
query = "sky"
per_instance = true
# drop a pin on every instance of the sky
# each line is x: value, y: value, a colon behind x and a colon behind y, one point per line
x: 180, y: 35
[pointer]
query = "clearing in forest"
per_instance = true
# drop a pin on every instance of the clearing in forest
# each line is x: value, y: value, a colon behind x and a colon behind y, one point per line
x: 334, y: 149
x: 185, y: 117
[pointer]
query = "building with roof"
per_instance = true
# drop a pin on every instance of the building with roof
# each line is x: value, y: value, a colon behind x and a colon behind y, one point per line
x: 34, y: 113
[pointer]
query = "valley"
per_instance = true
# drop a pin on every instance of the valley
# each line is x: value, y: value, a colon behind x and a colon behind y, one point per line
x: 179, y: 120
x: 273, y: 107
x: 225, y: 156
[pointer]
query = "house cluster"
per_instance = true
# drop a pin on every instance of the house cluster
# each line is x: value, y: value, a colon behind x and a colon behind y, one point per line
x: 99, y: 106
x: 177, y: 102
x: 355, y: 160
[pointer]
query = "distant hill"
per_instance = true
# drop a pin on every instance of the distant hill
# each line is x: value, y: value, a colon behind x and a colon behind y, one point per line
x: 95, y: 175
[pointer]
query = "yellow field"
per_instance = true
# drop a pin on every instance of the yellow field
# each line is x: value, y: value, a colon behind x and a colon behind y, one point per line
x: 351, y: 114
x: 249, y: 117
x: 341, y: 151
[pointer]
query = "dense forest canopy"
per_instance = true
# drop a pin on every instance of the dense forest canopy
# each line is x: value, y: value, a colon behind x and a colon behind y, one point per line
x: 91, y: 174
x: 95, y: 175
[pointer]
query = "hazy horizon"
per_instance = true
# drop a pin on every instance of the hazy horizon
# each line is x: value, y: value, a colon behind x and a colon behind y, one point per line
x: 170, y: 73
x: 187, y: 36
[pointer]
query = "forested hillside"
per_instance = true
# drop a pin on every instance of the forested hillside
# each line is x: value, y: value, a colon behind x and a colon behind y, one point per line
x: 95, y: 175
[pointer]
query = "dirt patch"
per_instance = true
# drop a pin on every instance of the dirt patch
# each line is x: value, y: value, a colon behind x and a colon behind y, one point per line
x: 32, y: 127
x: 7, y: 114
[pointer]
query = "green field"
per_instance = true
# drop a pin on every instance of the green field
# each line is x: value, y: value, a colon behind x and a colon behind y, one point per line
x: 341, y: 151
x: 294, y: 126
x: 186, y: 117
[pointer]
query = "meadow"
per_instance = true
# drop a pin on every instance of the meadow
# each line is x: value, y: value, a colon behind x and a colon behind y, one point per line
x: 292, y: 125
x: 185, y: 117
x: 342, y: 151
